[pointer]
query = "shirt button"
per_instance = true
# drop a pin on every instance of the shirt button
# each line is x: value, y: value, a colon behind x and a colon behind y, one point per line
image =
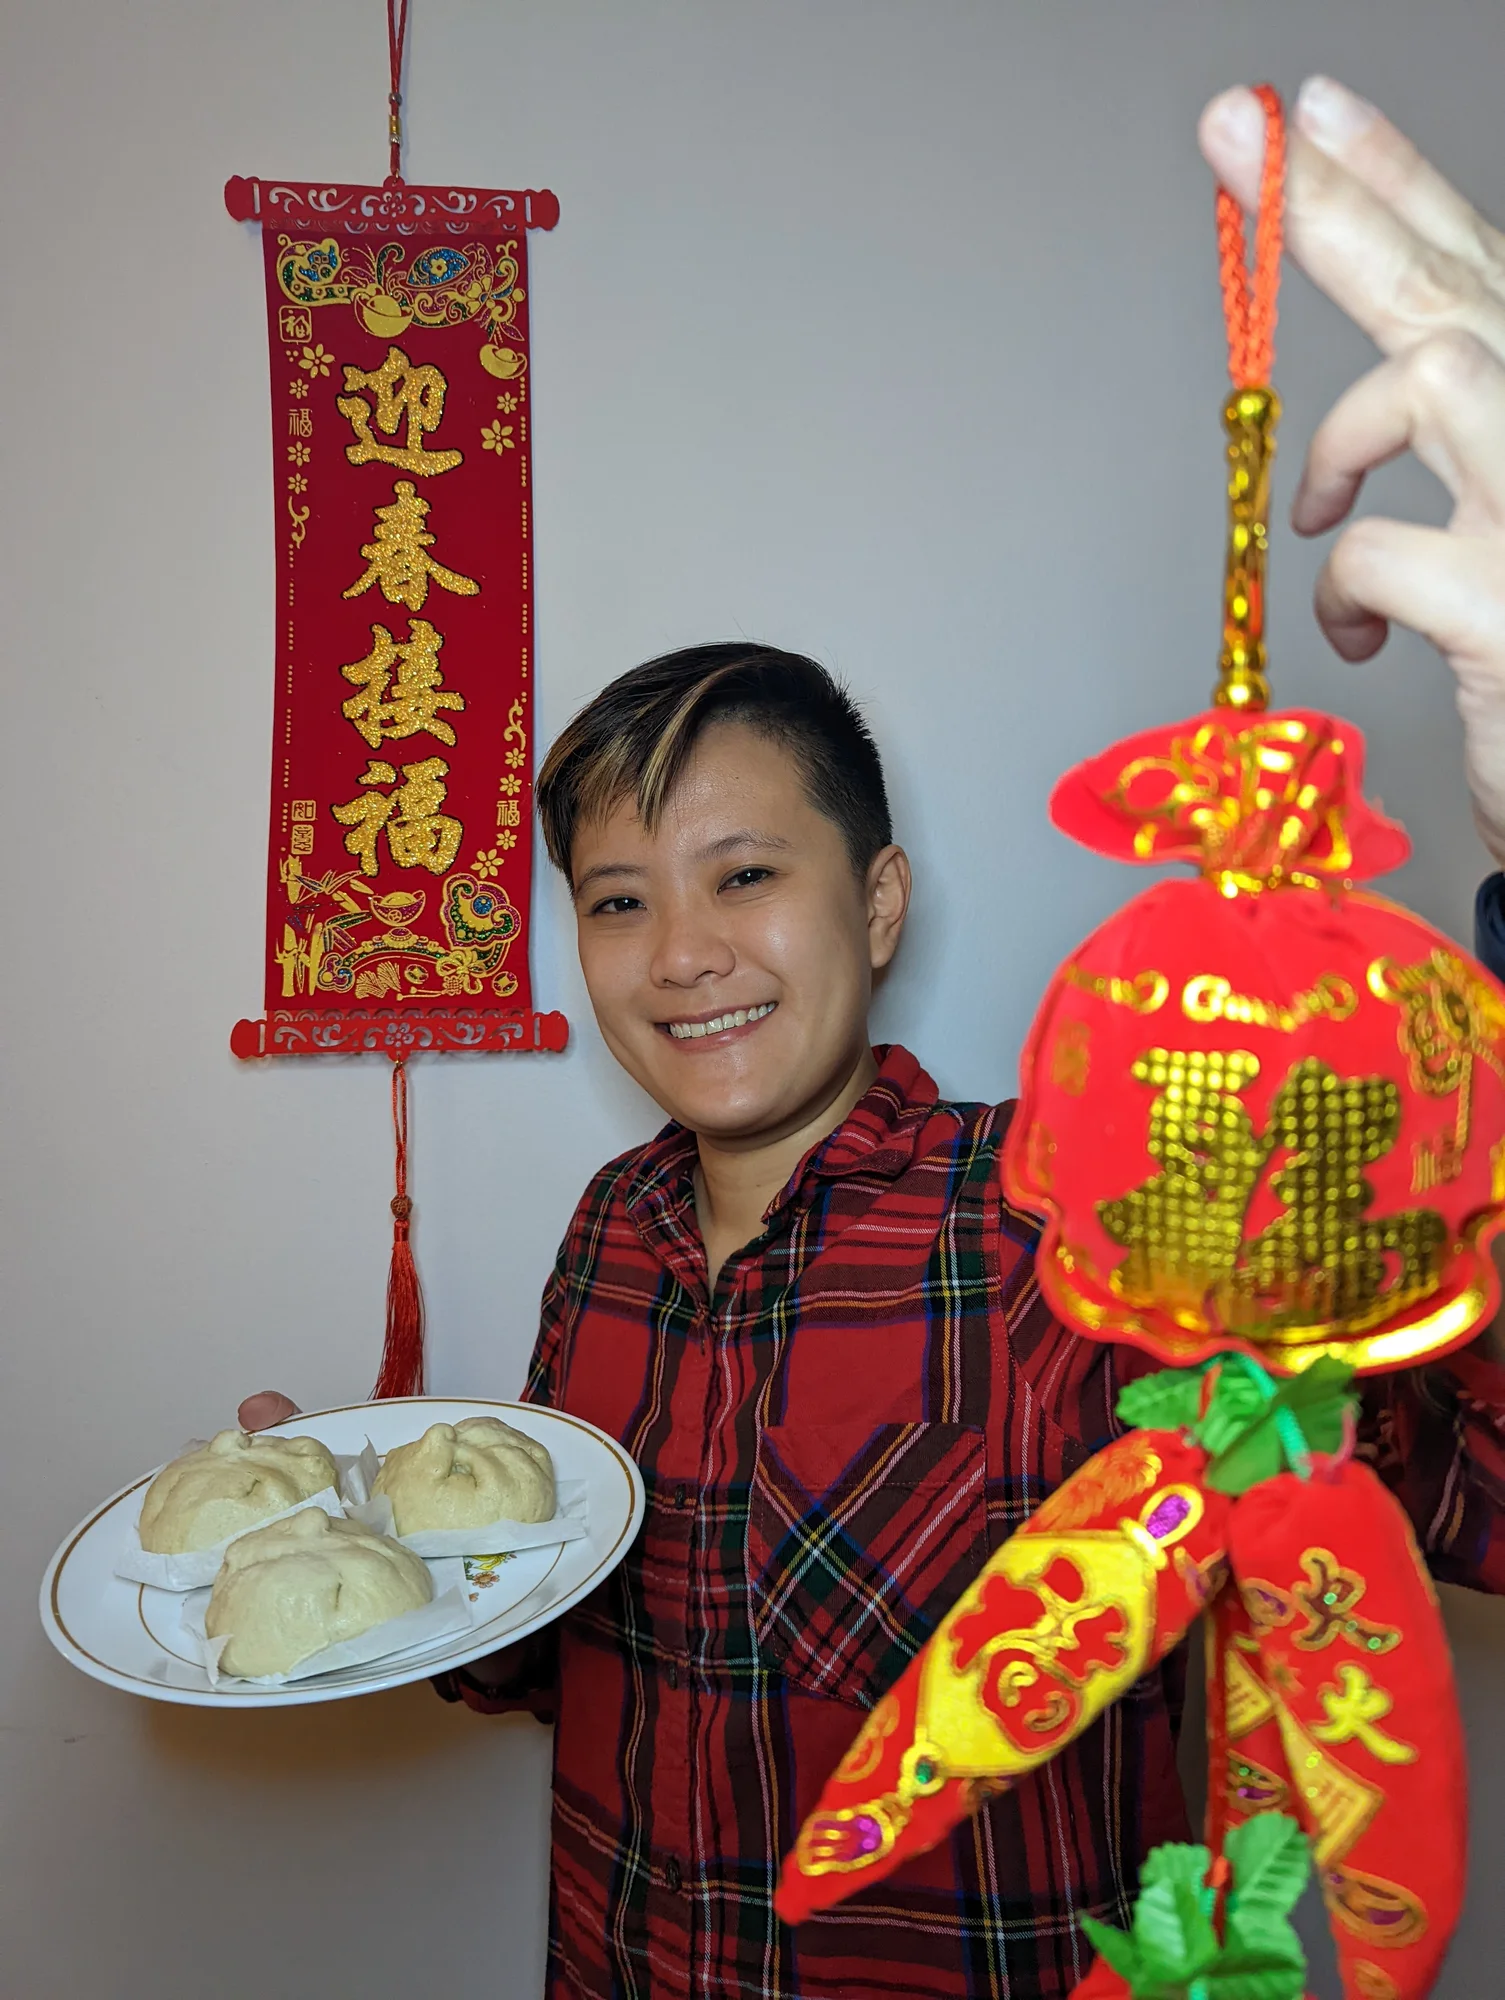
x: 673, y: 1677
x: 672, y: 1876
x: 680, y: 1496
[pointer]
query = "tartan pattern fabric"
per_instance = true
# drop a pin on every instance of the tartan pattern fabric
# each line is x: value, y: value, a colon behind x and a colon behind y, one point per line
x: 874, y: 1397
x: 845, y: 1553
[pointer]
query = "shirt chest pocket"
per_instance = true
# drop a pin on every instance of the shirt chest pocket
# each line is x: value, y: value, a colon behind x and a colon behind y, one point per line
x: 858, y: 1542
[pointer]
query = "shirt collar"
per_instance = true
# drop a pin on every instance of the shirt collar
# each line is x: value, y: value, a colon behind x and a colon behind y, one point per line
x: 877, y: 1139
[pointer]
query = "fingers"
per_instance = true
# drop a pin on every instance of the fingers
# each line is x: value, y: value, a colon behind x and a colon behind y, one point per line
x: 1447, y: 586
x: 268, y: 1407
x: 1392, y: 281
x: 1350, y: 130
x: 1444, y: 399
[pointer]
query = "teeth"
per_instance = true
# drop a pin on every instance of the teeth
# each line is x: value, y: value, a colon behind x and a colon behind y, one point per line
x: 692, y: 1031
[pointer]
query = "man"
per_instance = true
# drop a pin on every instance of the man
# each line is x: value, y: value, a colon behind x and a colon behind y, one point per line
x: 806, y: 1308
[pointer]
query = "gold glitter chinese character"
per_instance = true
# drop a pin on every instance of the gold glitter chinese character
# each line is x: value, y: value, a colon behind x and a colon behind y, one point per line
x: 401, y: 390
x: 300, y: 423
x: 1319, y: 1262
x: 418, y: 834
x: 1183, y: 1228
x: 398, y: 559
x: 1322, y: 1261
x: 508, y: 813
x: 382, y: 709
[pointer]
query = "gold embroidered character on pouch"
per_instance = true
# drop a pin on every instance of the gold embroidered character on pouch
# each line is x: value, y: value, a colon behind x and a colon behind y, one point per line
x: 1208, y: 998
x: 1449, y: 1020
x: 1327, y: 1598
x: 1353, y: 1711
x: 1320, y: 1262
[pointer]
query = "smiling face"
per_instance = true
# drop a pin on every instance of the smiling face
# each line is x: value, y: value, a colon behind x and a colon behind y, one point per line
x: 730, y: 953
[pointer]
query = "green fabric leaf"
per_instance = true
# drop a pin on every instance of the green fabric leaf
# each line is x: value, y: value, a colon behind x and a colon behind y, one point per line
x: 1117, y: 1947
x: 1271, y: 1860
x: 1180, y: 1861
x: 1174, y: 1934
x: 1167, y: 1401
x: 1317, y: 1399
x: 1256, y: 1983
x: 1268, y: 1966
x: 1238, y: 1402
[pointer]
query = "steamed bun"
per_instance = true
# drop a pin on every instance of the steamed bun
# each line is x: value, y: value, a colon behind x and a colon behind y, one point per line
x: 227, y: 1486
x: 467, y: 1475
x: 308, y: 1582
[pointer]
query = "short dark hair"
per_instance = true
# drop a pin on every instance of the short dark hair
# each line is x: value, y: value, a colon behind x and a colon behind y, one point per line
x: 638, y: 734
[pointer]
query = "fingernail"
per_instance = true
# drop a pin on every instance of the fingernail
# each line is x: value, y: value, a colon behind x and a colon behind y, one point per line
x: 1239, y: 117
x: 1332, y: 115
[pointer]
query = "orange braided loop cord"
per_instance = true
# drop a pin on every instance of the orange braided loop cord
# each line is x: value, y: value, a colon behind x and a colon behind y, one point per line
x: 1249, y: 300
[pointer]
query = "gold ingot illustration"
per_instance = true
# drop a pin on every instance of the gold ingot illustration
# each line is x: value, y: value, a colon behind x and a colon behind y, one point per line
x: 381, y: 314
x: 503, y: 362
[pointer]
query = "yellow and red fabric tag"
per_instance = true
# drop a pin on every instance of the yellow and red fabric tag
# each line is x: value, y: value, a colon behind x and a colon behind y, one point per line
x: 400, y: 856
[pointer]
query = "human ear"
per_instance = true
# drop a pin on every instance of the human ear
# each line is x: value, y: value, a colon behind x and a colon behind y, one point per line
x: 889, y: 882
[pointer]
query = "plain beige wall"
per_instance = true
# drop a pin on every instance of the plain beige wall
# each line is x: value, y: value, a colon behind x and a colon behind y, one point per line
x: 884, y: 328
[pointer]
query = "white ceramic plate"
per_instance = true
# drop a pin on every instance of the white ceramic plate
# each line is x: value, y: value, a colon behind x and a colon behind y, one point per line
x: 130, y: 1636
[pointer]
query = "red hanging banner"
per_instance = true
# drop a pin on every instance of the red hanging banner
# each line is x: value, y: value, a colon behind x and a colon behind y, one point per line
x: 400, y: 858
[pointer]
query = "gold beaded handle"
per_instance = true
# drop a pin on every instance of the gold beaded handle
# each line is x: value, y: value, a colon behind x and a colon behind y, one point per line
x: 1250, y: 417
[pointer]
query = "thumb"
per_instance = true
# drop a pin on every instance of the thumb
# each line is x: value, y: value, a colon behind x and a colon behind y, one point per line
x: 266, y: 1407
x: 1231, y: 133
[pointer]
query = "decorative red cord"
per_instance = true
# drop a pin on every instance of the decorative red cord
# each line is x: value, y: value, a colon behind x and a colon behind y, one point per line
x: 1249, y: 299
x: 397, y: 35
x: 400, y: 1136
x: 402, y: 1352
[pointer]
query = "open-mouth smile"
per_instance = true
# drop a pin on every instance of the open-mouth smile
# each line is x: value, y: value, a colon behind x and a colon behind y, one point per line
x: 717, y: 1024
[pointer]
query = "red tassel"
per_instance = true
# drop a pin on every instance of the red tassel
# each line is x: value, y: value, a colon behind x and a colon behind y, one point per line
x: 402, y: 1353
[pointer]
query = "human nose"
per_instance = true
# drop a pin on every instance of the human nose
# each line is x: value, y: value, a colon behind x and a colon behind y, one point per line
x: 689, y: 945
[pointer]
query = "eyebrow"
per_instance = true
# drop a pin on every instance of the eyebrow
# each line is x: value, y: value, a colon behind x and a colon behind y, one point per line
x: 626, y: 869
x: 747, y: 837
x: 728, y: 843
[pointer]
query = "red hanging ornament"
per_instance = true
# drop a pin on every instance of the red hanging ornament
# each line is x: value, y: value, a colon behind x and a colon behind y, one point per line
x: 1263, y: 1116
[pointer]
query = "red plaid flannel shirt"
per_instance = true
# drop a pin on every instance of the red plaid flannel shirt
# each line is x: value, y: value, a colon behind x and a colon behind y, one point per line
x: 874, y: 1398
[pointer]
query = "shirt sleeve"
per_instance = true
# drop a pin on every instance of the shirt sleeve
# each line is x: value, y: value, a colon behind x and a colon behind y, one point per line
x: 523, y: 1679
x: 543, y: 1383
x: 1489, y: 925
x: 1436, y: 1436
